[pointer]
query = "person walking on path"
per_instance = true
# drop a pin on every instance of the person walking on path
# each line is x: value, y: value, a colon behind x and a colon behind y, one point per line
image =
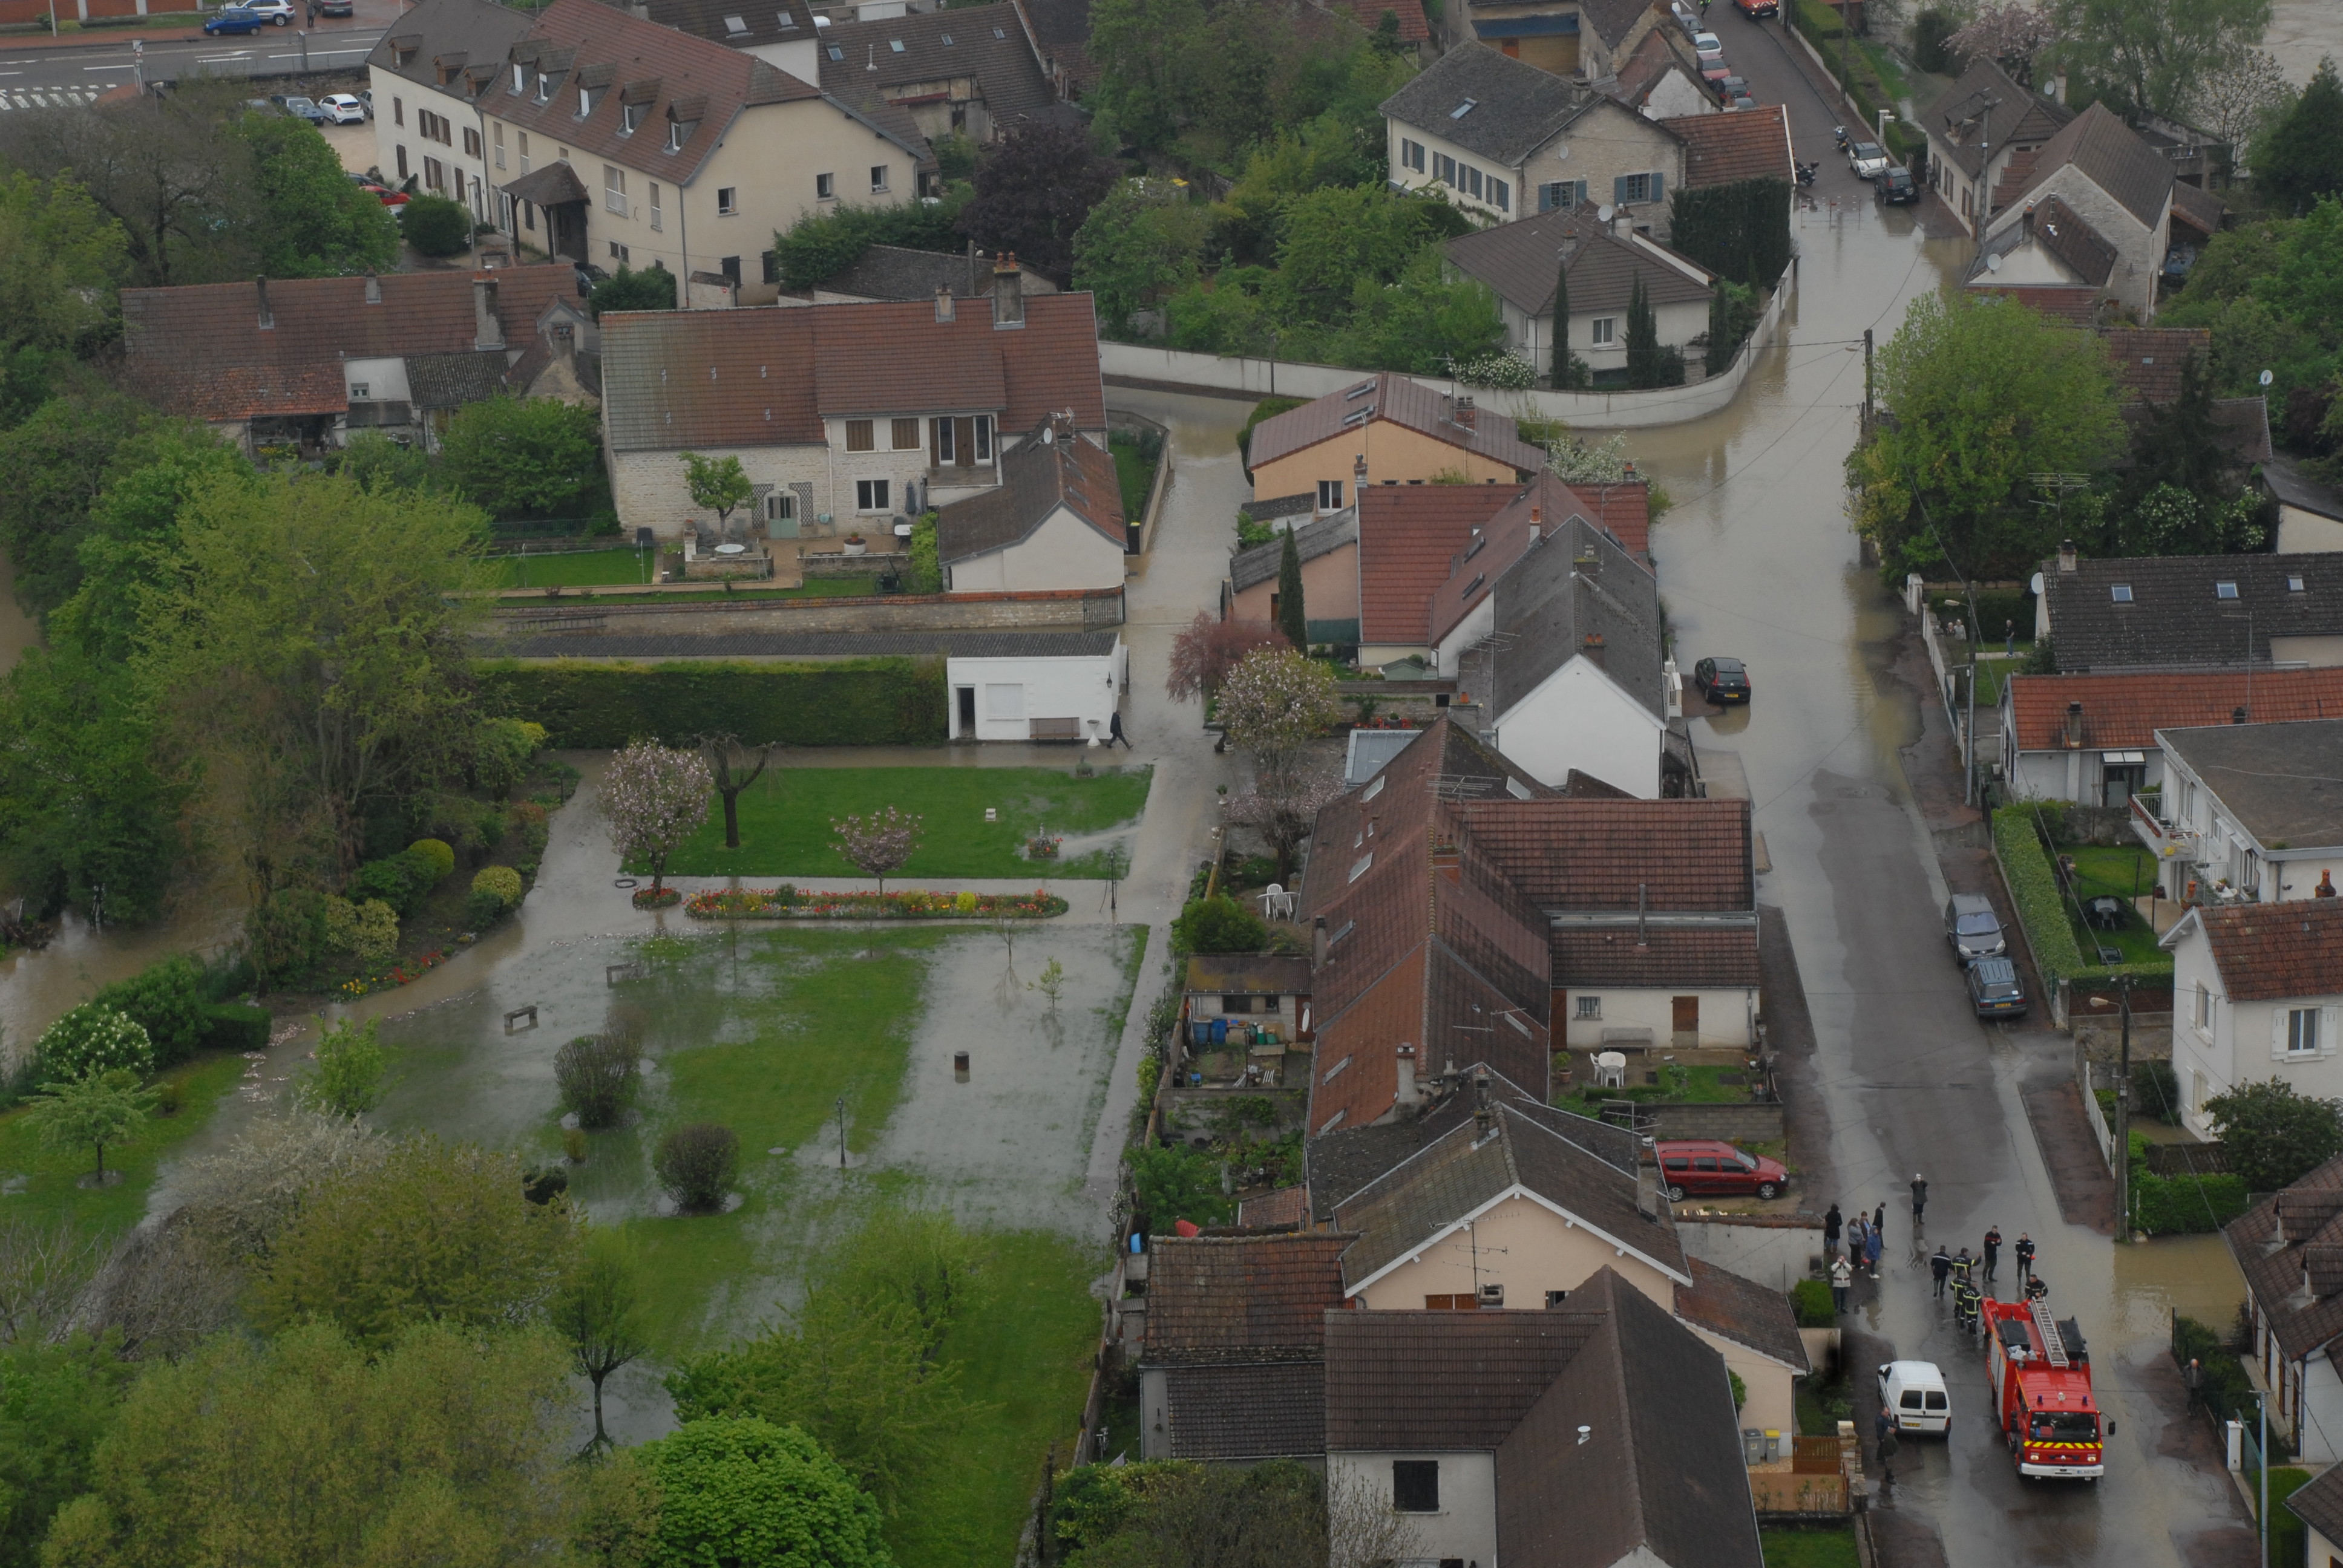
x: 1832, y: 1225
x: 1879, y: 1219
x: 1941, y: 1265
x: 1114, y: 730
x: 1871, y: 1251
x: 1992, y: 1253
x: 1919, y: 1198
x: 1841, y: 1277
x: 2025, y: 1256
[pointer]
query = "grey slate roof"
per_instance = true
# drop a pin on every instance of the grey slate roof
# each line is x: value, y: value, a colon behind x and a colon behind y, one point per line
x: 1036, y: 479
x: 765, y: 21
x: 598, y: 644
x: 478, y: 30
x: 1519, y: 260
x: 985, y: 42
x: 894, y: 272
x: 452, y: 380
x: 552, y: 186
x: 2293, y: 488
x: 2177, y: 619
x: 1443, y: 1381
x: 1321, y: 536
x: 1985, y: 109
x: 1517, y: 108
x: 2319, y: 1503
x: 1550, y: 605
x: 2116, y: 159
x: 2282, y: 782
x: 1246, y: 1411
x: 1340, y: 1164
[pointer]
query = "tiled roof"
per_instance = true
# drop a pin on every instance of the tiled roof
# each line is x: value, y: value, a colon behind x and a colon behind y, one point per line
x: 894, y: 272
x: 1596, y: 855
x: 552, y: 186
x: 452, y: 380
x: 1407, y: 536
x: 1434, y: 1189
x: 1402, y: 400
x: 1272, y: 1210
x: 2112, y: 157
x: 2272, y: 952
x: 2079, y: 247
x: 200, y: 351
x: 761, y: 25
x: 1037, y: 477
x: 775, y: 372
x: 2197, y: 207
x: 2176, y: 616
x: 2014, y: 173
x: 1515, y: 109
x: 2282, y: 783
x: 1230, y: 1412
x: 1342, y: 1163
x: 1318, y: 537
x: 2293, y: 488
x: 1369, y: 14
x: 1658, y: 54
x: 1503, y: 539
x: 1747, y: 145
x: 1683, y: 957
x: 1443, y: 1381
x: 2060, y: 302
x: 1613, y: 19
x: 2123, y: 712
x: 1984, y: 109
x: 2148, y: 359
x: 1241, y: 1298
x: 1521, y: 259
x: 1744, y: 1311
x: 2319, y: 1503
x: 981, y: 41
x: 1575, y: 594
x: 469, y: 31
x: 2306, y: 1218
x: 1260, y: 974
x: 584, y: 38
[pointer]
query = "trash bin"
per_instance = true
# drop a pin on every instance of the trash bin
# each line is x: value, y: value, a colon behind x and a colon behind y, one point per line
x: 1220, y: 1032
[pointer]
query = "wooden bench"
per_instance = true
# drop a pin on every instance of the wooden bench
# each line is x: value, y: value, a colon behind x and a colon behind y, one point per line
x: 1054, y: 730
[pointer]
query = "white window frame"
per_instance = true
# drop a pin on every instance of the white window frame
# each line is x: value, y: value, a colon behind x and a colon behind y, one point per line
x: 825, y: 188
x: 1590, y: 1008
x: 1602, y: 332
x: 2301, y: 1034
x: 659, y: 215
x: 1330, y: 495
x: 879, y: 178
x: 630, y: 117
x: 614, y: 189
x: 499, y: 133
x: 728, y: 201
x: 873, y: 498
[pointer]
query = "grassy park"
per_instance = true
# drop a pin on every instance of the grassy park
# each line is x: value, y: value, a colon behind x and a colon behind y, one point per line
x: 50, y: 1190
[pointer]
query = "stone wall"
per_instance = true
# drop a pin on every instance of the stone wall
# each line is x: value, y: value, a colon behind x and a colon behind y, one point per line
x: 1066, y: 610
x: 1776, y: 1251
x: 1750, y: 1123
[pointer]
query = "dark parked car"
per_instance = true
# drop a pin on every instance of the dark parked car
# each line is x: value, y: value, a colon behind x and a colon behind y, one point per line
x: 1897, y: 186
x: 1730, y: 88
x: 1972, y: 929
x: 1721, y: 680
x: 1701, y: 1167
x: 1995, y: 989
x: 234, y: 21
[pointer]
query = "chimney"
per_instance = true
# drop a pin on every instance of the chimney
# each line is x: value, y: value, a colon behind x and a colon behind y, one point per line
x: 1465, y: 412
x: 1406, y: 1096
x: 1647, y: 1191
x: 1358, y: 475
x: 1318, y: 943
x: 268, y: 316
x: 944, y: 305
x: 2237, y: 716
x: 487, y: 331
x: 2073, y: 724
x: 1484, y: 1119
x: 1008, y: 292
x: 1594, y: 647
x: 2066, y: 558
x: 374, y: 289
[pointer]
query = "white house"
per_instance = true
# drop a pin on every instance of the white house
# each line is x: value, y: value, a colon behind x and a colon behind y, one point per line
x: 2094, y: 208
x: 1055, y: 521
x: 1978, y: 130
x: 2256, y: 990
x: 426, y: 75
x: 2309, y: 514
x: 1521, y: 262
x: 2245, y: 815
x: 2319, y: 1506
x: 1035, y: 686
x: 2091, y: 739
x: 2287, y: 1246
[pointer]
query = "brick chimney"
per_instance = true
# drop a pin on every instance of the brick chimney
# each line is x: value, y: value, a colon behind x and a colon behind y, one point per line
x: 374, y: 289
x: 487, y: 329
x: 1406, y: 1097
x: 1358, y: 475
x: 1008, y: 292
x: 2066, y: 558
x: 268, y: 316
x: 1465, y: 412
x: 2237, y: 716
x: 944, y: 305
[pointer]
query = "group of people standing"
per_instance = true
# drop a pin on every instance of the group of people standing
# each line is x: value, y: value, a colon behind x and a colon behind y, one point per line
x: 1963, y: 1272
x: 1864, y: 1240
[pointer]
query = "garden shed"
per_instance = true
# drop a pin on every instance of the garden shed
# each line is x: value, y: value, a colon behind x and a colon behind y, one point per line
x: 1036, y: 686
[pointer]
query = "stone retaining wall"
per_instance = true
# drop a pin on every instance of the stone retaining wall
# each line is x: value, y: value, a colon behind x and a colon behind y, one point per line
x: 1072, y: 609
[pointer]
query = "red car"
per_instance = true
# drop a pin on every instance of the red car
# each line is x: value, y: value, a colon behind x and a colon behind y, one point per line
x: 1754, y: 9
x: 1704, y: 1168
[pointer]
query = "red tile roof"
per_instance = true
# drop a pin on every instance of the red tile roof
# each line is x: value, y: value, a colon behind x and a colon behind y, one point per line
x: 1679, y: 956
x: 1385, y: 394
x: 2061, y: 302
x: 1593, y: 855
x: 2269, y: 952
x: 1272, y: 1210
x: 1745, y: 145
x: 2148, y: 359
x: 2123, y: 712
x: 201, y: 351
x: 767, y: 376
x: 1224, y: 1298
x: 1369, y: 14
x: 1406, y: 534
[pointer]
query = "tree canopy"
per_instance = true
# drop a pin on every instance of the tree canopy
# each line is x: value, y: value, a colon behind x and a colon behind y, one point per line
x: 1034, y: 189
x: 741, y: 1491
x: 2300, y: 157
x: 2273, y: 1135
x: 2152, y: 55
x: 524, y: 456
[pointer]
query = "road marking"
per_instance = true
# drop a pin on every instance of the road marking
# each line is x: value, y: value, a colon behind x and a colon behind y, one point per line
x: 39, y: 97
x: 131, y: 67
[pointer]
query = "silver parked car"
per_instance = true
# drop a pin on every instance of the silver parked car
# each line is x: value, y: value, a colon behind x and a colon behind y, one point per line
x: 1972, y: 929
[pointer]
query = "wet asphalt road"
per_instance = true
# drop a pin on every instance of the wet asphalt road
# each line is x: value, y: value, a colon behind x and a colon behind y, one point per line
x: 1757, y: 561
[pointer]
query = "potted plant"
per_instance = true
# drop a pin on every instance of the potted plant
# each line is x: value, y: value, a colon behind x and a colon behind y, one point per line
x: 855, y: 546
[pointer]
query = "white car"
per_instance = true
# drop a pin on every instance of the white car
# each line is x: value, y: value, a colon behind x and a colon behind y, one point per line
x: 343, y: 109
x: 1912, y: 1394
x: 277, y: 12
x: 1708, y: 43
x: 1868, y: 160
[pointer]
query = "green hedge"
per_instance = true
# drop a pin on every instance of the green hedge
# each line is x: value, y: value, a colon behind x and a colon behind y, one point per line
x: 229, y: 1026
x: 848, y: 702
x: 1740, y: 229
x: 1821, y: 23
x: 2034, y: 888
x: 2227, y: 1391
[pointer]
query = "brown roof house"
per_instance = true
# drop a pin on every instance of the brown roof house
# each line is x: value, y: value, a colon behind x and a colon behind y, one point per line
x: 846, y: 417
x: 2257, y: 993
x: 1055, y: 521
x: 307, y: 361
x: 783, y: 34
x: 968, y: 71
x: 2092, y: 738
x: 1521, y: 262
x: 1984, y: 123
x: 1588, y: 41
x: 2289, y: 1247
x: 1599, y: 1434
x: 2093, y: 207
x: 1387, y: 429
x: 1234, y: 1365
x: 1660, y: 79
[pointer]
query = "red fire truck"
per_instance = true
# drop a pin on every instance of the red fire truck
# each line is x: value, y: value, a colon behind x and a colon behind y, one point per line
x: 2041, y: 1374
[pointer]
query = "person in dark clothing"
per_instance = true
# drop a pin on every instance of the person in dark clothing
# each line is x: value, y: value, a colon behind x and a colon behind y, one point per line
x: 2037, y: 1287
x: 1919, y: 1198
x: 1992, y: 1251
x: 1114, y: 730
x: 1963, y: 1267
x: 1965, y: 1298
x: 1941, y: 1265
x: 1831, y: 1223
x: 1879, y: 1219
x: 1871, y: 1252
x: 2025, y: 1256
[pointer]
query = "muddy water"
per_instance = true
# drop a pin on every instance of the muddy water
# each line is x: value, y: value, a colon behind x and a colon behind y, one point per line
x: 2301, y: 31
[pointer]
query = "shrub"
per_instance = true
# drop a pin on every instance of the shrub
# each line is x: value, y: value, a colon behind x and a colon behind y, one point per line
x: 165, y: 999
x: 1811, y: 1300
x: 502, y: 881
x: 369, y: 930
x: 347, y: 1077
x: 1178, y: 1183
x: 285, y: 932
x: 2184, y: 1205
x: 1930, y: 29
x: 501, y: 751
x: 441, y: 856
x: 696, y: 1163
x: 482, y: 911
x: 599, y: 1075
x: 434, y: 226
x: 229, y: 1026
x: 1219, y: 925
x: 94, y: 1038
x: 744, y: 1491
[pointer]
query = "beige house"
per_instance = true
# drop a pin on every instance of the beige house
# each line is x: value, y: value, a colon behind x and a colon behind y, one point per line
x: 621, y: 142
x: 1328, y: 547
x: 426, y: 75
x: 1983, y: 126
x: 2309, y: 514
x: 1055, y: 521
x: 2094, y: 208
x: 1388, y: 429
x: 1521, y: 261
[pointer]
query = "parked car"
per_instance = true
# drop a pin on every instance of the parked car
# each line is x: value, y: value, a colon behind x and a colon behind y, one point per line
x: 1704, y: 1167
x: 1686, y: 16
x: 343, y: 109
x: 1868, y: 160
x: 1707, y: 43
x: 1740, y: 101
x: 1995, y: 989
x: 335, y: 8
x: 1972, y: 929
x: 306, y: 109
x: 1721, y: 680
x: 1914, y: 1395
x: 1715, y: 71
x: 1731, y: 88
x: 234, y: 20
x: 277, y: 13
x: 1757, y: 10
x: 1897, y: 186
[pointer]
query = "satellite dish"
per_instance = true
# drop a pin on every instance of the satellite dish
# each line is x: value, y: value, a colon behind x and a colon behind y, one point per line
x: 2267, y: 377
x: 2034, y: 587
x: 1602, y: 214
x: 1560, y: 154
x: 1049, y: 437
x: 1993, y: 264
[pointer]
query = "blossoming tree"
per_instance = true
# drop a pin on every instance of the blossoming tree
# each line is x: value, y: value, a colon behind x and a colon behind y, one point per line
x: 879, y: 843
x: 655, y: 797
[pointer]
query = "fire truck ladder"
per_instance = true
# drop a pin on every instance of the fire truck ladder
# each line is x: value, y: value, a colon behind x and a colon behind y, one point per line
x: 2045, y: 1332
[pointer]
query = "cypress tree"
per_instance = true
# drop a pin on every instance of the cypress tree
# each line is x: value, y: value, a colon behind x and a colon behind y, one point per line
x: 1561, y: 322
x: 1642, y: 340
x: 1292, y: 618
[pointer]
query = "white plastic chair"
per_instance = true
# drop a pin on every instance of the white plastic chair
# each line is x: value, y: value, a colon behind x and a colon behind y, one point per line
x: 1276, y: 903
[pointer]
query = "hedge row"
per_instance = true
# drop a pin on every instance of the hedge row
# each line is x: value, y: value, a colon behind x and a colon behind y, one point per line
x: 602, y: 706
x: 2034, y: 888
x: 1821, y: 23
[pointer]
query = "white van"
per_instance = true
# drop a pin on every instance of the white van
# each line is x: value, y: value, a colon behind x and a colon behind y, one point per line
x: 1912, y: 1394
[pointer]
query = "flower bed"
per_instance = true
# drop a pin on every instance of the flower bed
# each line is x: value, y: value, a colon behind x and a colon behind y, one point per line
x: 787, y: 903
x: 665, y: 899
x: 393, y: 976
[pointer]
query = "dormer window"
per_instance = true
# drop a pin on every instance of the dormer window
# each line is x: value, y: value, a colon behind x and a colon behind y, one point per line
x: 2225, y: 590
x: 630, y: 115
x: 521, y: 77
x: 545, y: 83
x: 586, y: 97
x: 680, y: 132
x: 736, y: 27
x: 2120, y: 593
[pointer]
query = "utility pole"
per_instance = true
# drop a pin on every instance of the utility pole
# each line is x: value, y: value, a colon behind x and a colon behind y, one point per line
x: 2123, y: 1115
x: 1866, y: 381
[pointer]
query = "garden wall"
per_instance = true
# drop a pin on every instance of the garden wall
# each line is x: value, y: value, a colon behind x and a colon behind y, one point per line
x: 1085, y: 609
x: 1776, y: 1251
x: 1750, y: 1123
x: 848, y: 702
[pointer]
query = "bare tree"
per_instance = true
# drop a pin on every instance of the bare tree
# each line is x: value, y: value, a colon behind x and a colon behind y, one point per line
x: 1362, y: 1529
x: 166, y: 1290
x: 1283, y: 804
x: 2236, y: 100
x: 43, y: 1269
x: 879, y: 843
x: 727, y: 755
x: 240, y: 1199
x: 1207, y: 649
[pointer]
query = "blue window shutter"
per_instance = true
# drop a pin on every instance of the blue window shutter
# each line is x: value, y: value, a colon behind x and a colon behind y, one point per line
x: 1581, y: 194
x: 1659, y: 192
x: 1619, y: 190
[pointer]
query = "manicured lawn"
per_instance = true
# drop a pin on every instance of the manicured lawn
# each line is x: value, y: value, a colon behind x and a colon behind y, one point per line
x: 2117, y: 871
x: 1822, y: 1548
x: 1993, y: 670
x: 786, y: 815
x: 50, y: 1193
x: 1705, y: 1088
x: 571, y: 568
x: 1136, y: 471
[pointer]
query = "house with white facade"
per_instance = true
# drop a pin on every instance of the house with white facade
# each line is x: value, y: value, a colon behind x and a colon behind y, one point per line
x: 2184, y: 612
x: 1522, y: 261
x: 1983, y: 126
x: 2255, y: 994
x: 2091, y: 739
x: 2250, y: 813
x: 1055, y: 521
x: 2287, y: 1248
x: 426, y: 75
x: 2093, y: 209
x: 1035, y: 686
x: 2309, y: 514
x: 1661, y: 80
x: 844, y: 416
x: 2319, y: 1506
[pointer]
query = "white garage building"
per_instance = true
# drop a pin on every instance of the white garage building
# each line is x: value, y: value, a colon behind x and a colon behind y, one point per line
x: 1036, y: 686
